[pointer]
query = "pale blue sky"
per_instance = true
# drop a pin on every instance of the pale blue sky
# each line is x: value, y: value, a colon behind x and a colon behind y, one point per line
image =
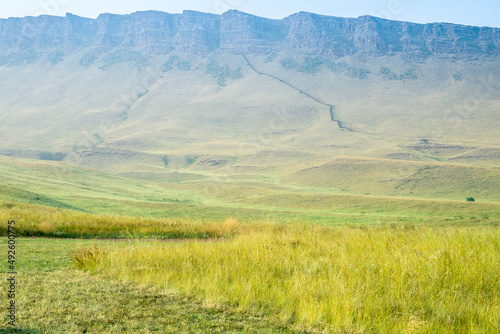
x: 477, y: 12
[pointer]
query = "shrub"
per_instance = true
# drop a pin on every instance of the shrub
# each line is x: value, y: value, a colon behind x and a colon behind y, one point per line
x: 289, y: 63
x: 387, y: 74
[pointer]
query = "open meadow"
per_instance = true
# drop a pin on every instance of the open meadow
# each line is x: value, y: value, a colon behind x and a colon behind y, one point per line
x: 105, y: 273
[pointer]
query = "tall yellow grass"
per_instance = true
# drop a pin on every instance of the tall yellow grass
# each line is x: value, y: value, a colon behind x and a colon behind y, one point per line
x: 349, y: 280
x: 37, y: 220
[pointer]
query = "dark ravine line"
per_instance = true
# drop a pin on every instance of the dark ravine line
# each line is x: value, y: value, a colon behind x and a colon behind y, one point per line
x: 332, y: 108
x: 124, y: 113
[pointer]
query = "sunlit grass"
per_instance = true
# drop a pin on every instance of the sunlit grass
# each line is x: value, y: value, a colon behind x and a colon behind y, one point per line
x: 52, y: 297
x: 40, y: 221
x: 350, y: 280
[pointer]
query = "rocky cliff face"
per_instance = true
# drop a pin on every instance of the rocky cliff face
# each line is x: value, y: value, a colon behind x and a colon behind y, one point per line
x: 30, y: 39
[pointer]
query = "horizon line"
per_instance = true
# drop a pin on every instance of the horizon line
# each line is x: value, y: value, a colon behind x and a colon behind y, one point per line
x: 235, y: 10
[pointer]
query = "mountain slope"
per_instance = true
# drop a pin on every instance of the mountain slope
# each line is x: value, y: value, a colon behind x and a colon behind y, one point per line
x: 194, y: 97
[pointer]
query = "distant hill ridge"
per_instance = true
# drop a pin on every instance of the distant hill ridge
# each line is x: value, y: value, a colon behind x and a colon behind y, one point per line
x: 31, y: 39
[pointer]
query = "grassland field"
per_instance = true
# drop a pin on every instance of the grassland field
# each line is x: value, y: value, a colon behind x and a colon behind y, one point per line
x: 264, y: 278
x: 275, y: 257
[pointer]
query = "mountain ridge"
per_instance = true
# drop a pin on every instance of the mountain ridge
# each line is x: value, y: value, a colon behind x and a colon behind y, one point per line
x: 28, y: 39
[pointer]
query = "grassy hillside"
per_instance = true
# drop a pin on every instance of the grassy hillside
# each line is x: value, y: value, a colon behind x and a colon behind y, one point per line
x: 403, y: 178
x: 79, y: 191
x: 64, y: 185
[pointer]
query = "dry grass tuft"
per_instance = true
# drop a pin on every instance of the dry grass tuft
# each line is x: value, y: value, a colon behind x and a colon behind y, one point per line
x: 232, y: 226
x: 46, y: 227
x: 88, y: 257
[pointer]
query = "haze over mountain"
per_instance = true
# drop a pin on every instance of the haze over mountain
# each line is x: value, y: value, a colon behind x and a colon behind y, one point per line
x: 364, y: 105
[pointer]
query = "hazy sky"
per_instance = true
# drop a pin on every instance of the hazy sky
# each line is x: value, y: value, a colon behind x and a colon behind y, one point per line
x: 477, y: 12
